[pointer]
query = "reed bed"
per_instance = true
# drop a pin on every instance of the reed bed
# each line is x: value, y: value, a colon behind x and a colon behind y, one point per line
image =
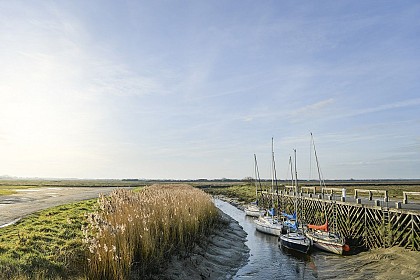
x: 140, y: 231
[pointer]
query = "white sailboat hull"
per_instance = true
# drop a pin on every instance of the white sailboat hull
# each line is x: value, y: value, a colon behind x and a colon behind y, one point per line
x: 327, y: 243
x: 329, y: 247
x: 268, y: 225
x: 254, y: 211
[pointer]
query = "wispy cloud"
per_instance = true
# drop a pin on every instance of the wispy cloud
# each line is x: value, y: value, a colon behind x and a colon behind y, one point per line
x: 311, y: 110
x: 121, y: 88
x: 384, y: 107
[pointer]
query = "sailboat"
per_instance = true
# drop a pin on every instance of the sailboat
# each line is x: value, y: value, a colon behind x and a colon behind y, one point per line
x: 269, y: 223
x: 325, y: 240
x: 253, y: 210
x: 294, y: 238
x: 320, y: 235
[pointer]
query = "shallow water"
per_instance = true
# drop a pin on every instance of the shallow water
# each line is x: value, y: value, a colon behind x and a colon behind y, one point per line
x: 269, y: 261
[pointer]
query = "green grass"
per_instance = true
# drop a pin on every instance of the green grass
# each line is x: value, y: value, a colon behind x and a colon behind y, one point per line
x: 46, y: 245
x: 137, y: 189
x: 7, y: 192
x: 11, y: 189
x: 244, y: 192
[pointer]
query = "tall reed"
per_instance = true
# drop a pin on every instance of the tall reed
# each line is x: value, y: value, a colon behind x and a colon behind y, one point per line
x: 143, y: 229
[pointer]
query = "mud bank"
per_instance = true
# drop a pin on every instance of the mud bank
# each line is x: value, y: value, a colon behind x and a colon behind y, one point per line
x: 218, y: 257
x: 385, y: 263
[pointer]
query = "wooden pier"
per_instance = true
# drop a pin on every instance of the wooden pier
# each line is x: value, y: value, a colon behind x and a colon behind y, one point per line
x: 371, y: 226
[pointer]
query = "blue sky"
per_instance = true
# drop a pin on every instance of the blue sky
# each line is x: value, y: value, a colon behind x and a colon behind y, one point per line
x: 192, y: 89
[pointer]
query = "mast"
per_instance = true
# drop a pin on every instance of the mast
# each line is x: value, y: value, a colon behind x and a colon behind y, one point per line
x: 291, y: 169
x: 321, y: 181
x: 257, y: 175
x: 273, y: 168
x: 275, y: 174
x: 310, y: 159
x: 296, y: 187
x: 296, y: 180
x: 272, y: 164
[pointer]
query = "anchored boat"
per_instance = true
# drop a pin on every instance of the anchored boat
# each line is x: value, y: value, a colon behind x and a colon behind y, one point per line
x: 269, y: 224
x: 324, y: 240
x: 320, y: 236
x: 254, y: 211
x: 294, y: 238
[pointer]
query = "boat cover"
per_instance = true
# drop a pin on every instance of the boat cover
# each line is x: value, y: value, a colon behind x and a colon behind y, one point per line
x: 290, y: 225
x: 324, y: 227
x: 290, y: 217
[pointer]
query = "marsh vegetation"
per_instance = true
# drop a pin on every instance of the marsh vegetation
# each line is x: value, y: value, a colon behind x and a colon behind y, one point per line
x: 113, y: 237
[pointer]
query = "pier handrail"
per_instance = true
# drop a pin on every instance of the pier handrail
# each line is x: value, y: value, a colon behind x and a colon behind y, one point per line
x: 331, y: 190
x: 288, y: 188
x: 371, y: 192
x: 308, y: 189
x: 406, y: 194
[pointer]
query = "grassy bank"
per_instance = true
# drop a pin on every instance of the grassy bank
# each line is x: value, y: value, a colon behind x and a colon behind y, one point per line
x: 114, y: 237
x: 243, y: 192
x: 45, y: 245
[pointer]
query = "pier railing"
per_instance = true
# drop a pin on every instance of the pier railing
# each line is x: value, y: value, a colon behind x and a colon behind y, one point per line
x: 371, y: 192
x: 309, y: 189
x: 406, y: 194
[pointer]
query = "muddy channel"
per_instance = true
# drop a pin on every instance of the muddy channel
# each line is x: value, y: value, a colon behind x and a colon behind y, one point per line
x: 268, y: 261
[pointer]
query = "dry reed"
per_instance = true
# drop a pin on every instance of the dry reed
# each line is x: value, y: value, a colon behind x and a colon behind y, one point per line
x: 144, y: 229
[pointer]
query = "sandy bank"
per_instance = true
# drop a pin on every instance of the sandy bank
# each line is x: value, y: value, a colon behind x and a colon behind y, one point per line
x: 219, y: 257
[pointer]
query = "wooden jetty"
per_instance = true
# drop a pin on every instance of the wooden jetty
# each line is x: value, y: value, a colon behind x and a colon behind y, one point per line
x: 371, y: 226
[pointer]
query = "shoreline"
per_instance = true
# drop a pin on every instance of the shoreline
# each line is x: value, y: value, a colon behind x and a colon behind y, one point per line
x: 219, y: 256
x: 381, y: 263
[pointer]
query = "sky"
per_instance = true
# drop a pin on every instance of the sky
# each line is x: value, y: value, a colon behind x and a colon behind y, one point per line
x: 193, y: 89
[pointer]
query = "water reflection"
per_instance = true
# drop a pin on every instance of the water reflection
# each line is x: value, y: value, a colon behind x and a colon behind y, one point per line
x: 267, y: 260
